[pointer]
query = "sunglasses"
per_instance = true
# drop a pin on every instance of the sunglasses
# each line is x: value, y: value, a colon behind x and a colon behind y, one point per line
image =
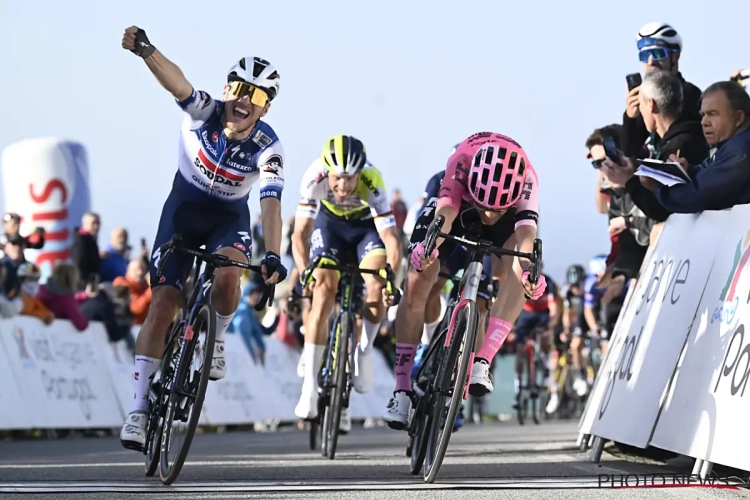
x: 258, y: 96
x: 597, y: 163
x: 656, y: 53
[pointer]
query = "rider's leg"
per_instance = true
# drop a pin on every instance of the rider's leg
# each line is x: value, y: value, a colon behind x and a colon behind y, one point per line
x: 579, y: 365
x: 503, y: 314
x: 432, y: 319
x: 149, y: 345
x: 489, y: 270
x: 373, y: 314
x: 316, y: 336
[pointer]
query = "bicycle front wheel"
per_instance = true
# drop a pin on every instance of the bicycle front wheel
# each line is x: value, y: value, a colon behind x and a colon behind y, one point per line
x: 457, y: 361
x: 332, y: 418
x: 187, y: 392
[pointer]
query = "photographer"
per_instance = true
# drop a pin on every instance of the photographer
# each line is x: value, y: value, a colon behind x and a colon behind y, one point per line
x: 659, y: 47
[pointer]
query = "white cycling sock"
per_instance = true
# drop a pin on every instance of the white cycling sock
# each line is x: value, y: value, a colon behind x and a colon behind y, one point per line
x: 222, y: 323
x: 369, y: 332
x: 429, y: 331
x: 313, y: 355
x: 145, y: 368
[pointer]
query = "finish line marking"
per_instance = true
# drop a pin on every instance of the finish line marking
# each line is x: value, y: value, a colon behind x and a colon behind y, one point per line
x: 242, y: 487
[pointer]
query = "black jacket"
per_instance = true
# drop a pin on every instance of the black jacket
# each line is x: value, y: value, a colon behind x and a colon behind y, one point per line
x: 634, y: 132
x: 721, y: 181
x: 84, y: 253
x: 685, y: 136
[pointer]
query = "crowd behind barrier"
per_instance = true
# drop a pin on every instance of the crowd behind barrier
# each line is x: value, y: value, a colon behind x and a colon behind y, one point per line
x: 59, y: 378
x: 676, y: 374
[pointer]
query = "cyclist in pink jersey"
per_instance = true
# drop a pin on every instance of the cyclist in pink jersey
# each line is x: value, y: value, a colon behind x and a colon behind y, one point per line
x: 490, y: 191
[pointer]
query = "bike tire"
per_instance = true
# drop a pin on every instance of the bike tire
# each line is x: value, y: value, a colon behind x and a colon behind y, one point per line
x: 422, y: 414
x: 332, y: 419
x: 166, y: 372
x: 461, y: 353
x: 205, y: 317
x: 521, y: 401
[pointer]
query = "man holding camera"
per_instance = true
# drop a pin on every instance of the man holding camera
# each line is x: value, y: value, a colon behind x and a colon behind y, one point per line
x: 659, y: 47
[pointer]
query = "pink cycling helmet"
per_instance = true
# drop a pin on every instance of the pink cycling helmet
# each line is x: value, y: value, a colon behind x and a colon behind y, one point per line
x: 497, y: 174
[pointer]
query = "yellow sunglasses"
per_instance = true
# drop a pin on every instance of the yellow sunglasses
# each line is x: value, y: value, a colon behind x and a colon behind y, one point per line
x: 258, y: 96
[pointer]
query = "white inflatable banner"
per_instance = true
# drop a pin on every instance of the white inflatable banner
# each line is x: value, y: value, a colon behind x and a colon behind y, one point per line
x: 60, y: 374
x: 657, y: 324
x: 46, y: 181
x: 706, y: 411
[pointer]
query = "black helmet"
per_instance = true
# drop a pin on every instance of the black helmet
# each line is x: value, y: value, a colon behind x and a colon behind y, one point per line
x: 575, y: 274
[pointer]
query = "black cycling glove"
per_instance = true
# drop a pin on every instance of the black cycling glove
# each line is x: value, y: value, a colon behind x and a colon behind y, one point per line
x: 273, y: 264
x: 143, y: 47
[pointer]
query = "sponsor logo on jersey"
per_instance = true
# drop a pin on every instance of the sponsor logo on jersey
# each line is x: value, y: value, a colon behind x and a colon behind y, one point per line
x: 215, y: 137
x: 370, y: 185
x: 273, y: 164
x: 240, y: 246
x: 208, y: 144
x: 261, y: 139
x: 205, y: 99
x: 216, y: 173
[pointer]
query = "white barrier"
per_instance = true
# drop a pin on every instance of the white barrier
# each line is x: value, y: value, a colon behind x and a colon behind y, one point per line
x: 680, y: 359
x: 57, y: 377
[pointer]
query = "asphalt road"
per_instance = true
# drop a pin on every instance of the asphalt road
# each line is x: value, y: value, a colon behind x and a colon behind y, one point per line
x: 495, y: 461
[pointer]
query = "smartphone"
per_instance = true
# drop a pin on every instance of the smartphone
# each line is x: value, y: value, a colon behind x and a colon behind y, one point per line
x: 94, y: 280
x: 610, y: 149
x: 143, y: 242
x: 634, y: 80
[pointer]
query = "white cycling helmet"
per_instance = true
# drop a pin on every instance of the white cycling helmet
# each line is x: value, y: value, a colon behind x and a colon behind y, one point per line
x: 258, y: 72
x: 658, y: 34
x: 598, y: 264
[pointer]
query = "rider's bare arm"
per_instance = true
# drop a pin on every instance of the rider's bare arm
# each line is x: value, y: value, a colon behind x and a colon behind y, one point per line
x: 270, y: 218
x: 392, y: 244
x: 525, y: 236
x: 303, y: 228
x: 554, y: 309
x: 566, y: 320
x: 169, y: 75
x: 588, y: 314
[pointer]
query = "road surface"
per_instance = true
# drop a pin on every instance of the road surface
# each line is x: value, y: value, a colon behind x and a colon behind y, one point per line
x: 496, y: 461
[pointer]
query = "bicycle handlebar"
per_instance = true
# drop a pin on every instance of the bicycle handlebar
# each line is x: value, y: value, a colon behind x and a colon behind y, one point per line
x: 217, y: 261
x: 386, y: 273
x: 434, y: 232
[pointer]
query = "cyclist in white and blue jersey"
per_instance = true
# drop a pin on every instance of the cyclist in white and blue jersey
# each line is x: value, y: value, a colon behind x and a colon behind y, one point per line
x: 224, y: 150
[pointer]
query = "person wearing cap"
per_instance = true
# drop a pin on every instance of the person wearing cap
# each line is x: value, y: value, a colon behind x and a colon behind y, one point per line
x: 14, y: 245
x: 659, y: 47
x: 12, y: 225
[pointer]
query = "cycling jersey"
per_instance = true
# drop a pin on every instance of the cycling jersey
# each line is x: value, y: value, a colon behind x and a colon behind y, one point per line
x: 369, y: 200
x: 454, y: 190
x: 214, y: 169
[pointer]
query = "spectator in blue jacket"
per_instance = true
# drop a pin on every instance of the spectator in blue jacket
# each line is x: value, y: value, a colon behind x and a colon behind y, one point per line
x: 115, y: 256
x: 248, y: 325
x: 723, y: 179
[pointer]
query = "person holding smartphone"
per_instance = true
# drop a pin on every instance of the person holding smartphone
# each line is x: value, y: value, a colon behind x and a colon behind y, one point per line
x: 659, y: 47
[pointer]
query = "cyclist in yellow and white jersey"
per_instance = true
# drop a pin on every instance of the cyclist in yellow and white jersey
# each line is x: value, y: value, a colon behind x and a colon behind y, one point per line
x: 353, y: 222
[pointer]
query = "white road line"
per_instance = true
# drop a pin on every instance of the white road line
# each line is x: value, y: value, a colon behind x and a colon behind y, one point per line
x: 122, y: 487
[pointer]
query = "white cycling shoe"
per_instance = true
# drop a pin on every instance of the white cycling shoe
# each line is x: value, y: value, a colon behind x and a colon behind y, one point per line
x: 363, y: 375
x: 481, y: 381
x: 345, y: 424
x: 133, y: 433
x: 553, y: 403
x: 307, y: 407
x: 218, y: 363
x: 397, y: 412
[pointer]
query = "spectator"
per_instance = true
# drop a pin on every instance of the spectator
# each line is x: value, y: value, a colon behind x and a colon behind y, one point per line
x: 399, y: 209
x: 59, y: 295
x: 9, y: 306
x: 136, y: 281
x: 660, y: 104
x: 114, y: 259
x: 723, y: 179
x: 85, y: 250
x: 14, y: 247
x: 259, y: 244
x: 12, y: 226
x: 28, y: 275
x: 659, y: 47
x: 627, y: 222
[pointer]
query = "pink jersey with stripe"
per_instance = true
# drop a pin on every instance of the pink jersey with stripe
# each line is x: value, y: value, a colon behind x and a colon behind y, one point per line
x: 454, y: 187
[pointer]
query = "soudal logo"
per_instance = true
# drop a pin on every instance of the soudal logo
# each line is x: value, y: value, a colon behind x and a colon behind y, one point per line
x: 216, y: 178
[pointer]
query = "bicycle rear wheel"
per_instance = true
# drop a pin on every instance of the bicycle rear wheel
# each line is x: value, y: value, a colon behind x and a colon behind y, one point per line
x: 456, y: 362
x: 189, y: 383
x: 332, y: 418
